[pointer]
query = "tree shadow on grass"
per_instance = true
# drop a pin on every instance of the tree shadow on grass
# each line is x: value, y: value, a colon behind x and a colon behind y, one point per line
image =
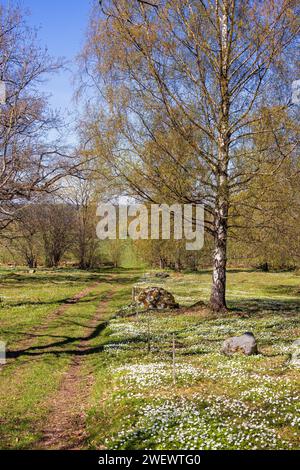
x: 39, y: 350
x: 16, y: 279
x: 59, y: 302
x: 284, y: 289
x: 258, y: 306
x: 47, y: 279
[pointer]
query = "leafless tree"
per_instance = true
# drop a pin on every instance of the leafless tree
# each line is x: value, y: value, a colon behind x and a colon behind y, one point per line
x: 56, y: 222
x: 29, y: 162
x: 80, y: 193
x: 25, y: 239
x: 22, y: 238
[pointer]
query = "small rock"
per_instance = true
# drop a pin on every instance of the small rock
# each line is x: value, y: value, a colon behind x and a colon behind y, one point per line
x: 295, y: 350
x: 162, y: 275
x: 245, y: 344
x: 32, y: 271
x: 156, y: 298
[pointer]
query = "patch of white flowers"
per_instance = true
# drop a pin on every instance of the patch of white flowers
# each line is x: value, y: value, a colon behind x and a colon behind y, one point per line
x: 268, y: 394
x: 155, y: 374
x: 217, y: 423
x: 127, y: 329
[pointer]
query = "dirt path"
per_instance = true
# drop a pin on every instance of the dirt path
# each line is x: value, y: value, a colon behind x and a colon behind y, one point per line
x: 65, y: 427
x: 29, y: 340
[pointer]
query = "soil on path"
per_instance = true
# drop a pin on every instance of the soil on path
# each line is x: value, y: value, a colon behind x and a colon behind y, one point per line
x: 65, y: 426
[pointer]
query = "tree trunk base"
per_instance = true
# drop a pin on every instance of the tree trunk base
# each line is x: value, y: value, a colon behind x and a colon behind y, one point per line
x: 219, y: 310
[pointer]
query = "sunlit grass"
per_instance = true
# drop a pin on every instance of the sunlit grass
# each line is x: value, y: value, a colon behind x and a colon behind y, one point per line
x: 28, y: 383
x: 217, y: 403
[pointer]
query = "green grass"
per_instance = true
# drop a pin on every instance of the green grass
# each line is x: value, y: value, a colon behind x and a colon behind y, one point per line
x: 27, y: 299
x: 217, y: 402
x: 31, y: 379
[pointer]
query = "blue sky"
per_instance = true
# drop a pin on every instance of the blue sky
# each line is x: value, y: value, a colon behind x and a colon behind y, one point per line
x: 62, y: 25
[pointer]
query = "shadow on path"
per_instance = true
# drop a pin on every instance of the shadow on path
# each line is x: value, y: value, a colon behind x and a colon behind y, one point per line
x: 48, y: 348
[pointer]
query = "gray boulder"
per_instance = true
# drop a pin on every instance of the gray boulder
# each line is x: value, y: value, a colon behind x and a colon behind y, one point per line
x: 245, y: 344
x: 295, y: 350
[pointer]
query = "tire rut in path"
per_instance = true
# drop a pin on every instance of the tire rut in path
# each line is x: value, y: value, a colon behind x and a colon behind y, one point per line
x: 65, y: 428
x: 28, y: 342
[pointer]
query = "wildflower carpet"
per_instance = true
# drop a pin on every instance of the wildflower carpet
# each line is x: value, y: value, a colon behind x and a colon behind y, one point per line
x: 146, y: 380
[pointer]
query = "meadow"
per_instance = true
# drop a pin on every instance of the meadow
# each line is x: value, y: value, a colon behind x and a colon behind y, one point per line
x: 83, y: 372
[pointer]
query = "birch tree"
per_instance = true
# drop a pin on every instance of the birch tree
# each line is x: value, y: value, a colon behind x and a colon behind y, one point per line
x: 201, y: 70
